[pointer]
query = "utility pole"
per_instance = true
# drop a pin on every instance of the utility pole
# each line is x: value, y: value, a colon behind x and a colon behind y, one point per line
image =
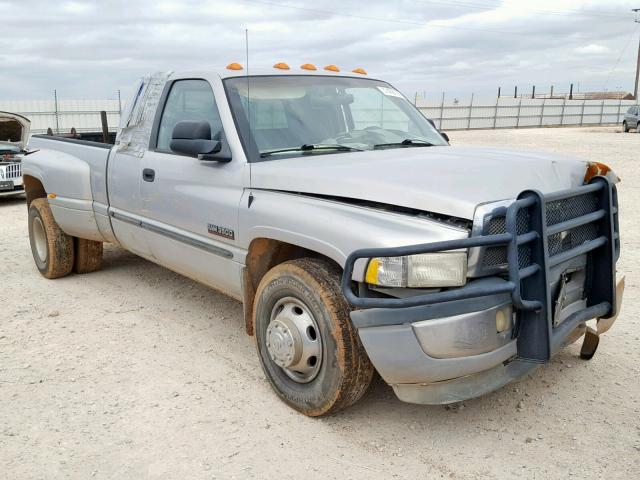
x: 635, y: 89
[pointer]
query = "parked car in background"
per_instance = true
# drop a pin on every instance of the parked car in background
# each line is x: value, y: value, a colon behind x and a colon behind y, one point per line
x: 14, y: 133
x: 631, y: 119
x: 355, y: 235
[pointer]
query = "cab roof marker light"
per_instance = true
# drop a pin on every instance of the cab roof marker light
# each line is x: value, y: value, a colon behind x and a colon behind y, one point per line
x: 332, y: 68
x: 234, y: 66
x: 308, y: 66
x: 281, y: 66
x: 359, y: 70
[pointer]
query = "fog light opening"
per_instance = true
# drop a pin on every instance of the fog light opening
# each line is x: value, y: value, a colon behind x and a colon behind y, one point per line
x: 502, y: 321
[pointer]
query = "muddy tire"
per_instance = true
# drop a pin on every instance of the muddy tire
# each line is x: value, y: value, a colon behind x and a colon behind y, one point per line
x: 306, y: 343
x: 88, y: 255
x: 52, y: 249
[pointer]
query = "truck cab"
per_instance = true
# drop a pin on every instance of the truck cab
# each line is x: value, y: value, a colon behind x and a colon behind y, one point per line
x: 355, y: 235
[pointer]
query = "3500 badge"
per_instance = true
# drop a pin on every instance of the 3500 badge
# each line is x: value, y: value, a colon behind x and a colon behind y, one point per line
x: 221, y: 231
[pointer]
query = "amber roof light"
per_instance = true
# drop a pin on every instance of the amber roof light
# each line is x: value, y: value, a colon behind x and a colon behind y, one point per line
x: 281, y: 66
x: 332, y: 68
x: 234, y: 66
x: 361, y: 71
x: 308, y: 66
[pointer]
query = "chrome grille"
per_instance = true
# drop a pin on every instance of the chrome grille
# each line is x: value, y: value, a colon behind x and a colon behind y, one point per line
x: 13, y: 170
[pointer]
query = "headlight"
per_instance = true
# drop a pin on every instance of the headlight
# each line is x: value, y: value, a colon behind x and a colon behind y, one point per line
x: 445, y: 269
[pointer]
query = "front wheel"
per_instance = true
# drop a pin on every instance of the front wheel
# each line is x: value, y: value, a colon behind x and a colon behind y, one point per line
x: 308, y: 348
x: 625, y: 127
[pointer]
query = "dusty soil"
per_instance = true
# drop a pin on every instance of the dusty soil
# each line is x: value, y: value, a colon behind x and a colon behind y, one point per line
x: 136, y: 372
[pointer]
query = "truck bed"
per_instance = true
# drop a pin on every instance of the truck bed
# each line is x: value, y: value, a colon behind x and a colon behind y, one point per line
x: 74, y: 171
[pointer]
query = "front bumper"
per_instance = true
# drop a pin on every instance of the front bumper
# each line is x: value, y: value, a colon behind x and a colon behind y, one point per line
x: 9, y: 192
x: 443, y: 347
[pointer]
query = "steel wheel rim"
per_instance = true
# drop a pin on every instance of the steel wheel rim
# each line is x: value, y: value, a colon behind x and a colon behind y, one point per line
x: 293, y: 340
x: 40, y: 239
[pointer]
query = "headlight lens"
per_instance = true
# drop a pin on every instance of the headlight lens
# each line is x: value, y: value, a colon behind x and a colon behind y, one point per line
x: 442, y: 269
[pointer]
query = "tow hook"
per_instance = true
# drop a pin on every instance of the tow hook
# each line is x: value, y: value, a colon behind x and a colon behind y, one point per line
x: 590, y: 344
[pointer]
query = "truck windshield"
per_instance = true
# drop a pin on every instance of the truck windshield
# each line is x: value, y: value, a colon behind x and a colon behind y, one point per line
x: 295, y: 116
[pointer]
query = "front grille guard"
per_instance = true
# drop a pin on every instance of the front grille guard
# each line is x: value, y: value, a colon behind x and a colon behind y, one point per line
x: 528, y: 286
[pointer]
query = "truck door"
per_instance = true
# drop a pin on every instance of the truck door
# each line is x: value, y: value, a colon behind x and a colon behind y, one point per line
x: 190, y: 207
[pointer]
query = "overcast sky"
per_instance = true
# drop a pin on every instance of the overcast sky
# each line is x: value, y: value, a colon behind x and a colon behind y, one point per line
x: 90, y: 49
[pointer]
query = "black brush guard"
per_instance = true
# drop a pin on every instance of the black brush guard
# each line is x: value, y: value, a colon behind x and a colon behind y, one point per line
x: 537, y: 338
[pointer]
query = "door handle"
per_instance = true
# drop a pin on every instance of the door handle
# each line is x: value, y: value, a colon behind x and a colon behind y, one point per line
x: 148, y: 174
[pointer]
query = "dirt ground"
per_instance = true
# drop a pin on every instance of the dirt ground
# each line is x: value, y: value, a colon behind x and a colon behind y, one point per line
x: 136, y: 372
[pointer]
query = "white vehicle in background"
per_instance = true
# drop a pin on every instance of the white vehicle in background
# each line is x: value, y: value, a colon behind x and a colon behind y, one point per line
x: 14, y: 133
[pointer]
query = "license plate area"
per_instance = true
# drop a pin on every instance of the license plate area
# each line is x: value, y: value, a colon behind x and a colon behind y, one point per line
x: 6, y: 185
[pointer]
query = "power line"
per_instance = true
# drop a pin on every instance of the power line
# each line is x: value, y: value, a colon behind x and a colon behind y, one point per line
x: 489, y: 7
x: 624, y: 49
x: 378, y: 19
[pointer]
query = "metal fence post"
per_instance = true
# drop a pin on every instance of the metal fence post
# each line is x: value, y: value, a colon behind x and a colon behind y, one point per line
x: 119, y: 103
x: 518, y: 114
x: 619, y: 109
x: 601, y: 111
x: 441, y: 112
x: 55, y: 103
x: 564, y: 104
x: 495, y: 112
x: 470, y: 111
x: 582, y: 112
x: 542, y: 111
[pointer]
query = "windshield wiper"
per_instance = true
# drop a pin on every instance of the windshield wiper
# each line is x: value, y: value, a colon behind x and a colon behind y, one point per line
x: 407, y: 142
x: 308, y: 147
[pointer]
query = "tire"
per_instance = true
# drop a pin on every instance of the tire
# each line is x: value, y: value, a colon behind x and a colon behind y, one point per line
x: 342, y: 372
x: 52, y: 249
x: 88, y: 255
x: 625, y: 127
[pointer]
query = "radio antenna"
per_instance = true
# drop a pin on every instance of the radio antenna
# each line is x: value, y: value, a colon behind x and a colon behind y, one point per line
x: 246, y: 44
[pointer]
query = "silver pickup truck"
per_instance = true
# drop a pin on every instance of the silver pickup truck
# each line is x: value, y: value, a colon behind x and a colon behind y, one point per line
x: 356, y: 237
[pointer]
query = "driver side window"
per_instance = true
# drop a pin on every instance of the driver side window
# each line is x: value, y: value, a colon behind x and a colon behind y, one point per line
x: 188, y: 100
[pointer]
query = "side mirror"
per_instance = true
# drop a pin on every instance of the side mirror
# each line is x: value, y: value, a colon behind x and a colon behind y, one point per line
x: 194, y: 138
x: 445, y: 136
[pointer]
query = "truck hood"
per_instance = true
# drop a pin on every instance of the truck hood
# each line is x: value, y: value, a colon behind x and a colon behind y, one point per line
x: 446, y: 180
x: 14, y: 129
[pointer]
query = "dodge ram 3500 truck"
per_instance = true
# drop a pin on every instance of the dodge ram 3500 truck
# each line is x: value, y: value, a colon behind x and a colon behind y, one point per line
x: 354, y: 234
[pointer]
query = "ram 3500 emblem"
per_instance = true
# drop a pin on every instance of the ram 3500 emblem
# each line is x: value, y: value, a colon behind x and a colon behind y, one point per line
x: 221, y: 231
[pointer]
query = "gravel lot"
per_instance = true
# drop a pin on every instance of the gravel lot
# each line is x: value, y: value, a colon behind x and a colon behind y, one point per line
x: 136, y: 372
